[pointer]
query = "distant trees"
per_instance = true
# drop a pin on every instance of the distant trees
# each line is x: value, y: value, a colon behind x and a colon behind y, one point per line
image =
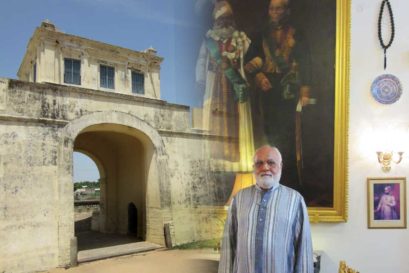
x: 86, y: 184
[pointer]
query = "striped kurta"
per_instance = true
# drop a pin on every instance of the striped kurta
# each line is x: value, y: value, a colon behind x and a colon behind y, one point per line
x: 267, y: 232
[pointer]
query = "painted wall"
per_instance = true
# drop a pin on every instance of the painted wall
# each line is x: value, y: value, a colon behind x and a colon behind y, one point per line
x: 371, y: 250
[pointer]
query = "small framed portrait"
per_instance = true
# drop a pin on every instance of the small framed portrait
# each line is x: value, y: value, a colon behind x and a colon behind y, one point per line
x: 387, y: 202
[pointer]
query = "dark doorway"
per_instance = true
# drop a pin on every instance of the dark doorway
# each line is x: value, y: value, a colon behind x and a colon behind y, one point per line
x: 132, y: 219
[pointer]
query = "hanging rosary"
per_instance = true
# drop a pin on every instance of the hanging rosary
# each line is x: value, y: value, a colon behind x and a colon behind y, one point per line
x: 386, y: 88
x: 382, y: 42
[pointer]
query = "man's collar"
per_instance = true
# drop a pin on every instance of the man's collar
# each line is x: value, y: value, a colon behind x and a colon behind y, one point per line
x: 275, y: 186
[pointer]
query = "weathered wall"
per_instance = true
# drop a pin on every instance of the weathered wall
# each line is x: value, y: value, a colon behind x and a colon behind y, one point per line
x: 191, y: 189
x: 40, y: 127
x: 67, y: 103
x: 28, y: 186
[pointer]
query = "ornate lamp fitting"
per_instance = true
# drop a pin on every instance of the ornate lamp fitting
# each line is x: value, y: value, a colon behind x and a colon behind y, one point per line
x: 385, y: 159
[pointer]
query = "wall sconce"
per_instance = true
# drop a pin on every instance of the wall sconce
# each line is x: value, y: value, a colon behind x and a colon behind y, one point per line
x: 385, y: 158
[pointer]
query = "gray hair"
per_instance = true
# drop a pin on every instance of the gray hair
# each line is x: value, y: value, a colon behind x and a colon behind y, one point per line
x: 274, y: 148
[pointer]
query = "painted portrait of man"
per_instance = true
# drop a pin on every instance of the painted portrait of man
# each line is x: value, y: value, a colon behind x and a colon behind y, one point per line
x: 290, y: 71
x: 386, y: 202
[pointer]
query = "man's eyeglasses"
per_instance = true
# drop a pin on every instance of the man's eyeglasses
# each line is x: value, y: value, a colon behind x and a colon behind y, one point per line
x: 260, y: 163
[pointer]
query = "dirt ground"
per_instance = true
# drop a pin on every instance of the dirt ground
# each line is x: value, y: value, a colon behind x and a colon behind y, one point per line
x: 158, y: 261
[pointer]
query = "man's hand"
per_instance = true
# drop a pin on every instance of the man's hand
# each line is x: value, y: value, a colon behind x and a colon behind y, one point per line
x: 265, y: 85
x: 254, y: 65
x: 262, y: 82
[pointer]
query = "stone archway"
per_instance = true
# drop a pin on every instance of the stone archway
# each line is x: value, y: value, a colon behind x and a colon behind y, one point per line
x: 96, y: 133
x: 124, y: 159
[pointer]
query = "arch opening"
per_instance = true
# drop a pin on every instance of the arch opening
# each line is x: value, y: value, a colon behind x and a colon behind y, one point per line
x: 87, y: 176
x: 122, y: 156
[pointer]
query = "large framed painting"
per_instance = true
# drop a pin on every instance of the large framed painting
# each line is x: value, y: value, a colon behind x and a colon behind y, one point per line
x: 298, y: 68
x: 276, y: 72
x: 387, y: 202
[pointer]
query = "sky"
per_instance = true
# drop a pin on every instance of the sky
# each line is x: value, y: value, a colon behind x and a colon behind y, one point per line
x: 173, y: 27
x: 85, y: 168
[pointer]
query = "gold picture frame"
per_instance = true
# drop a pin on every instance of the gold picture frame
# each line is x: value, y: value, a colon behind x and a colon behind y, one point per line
x: 386, y: 202
x: 338, y: 211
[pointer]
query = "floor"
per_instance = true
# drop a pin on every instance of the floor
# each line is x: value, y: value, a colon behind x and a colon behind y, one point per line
x: 156, y: 261
x: 113, y: 253
x: 96, y: 246
x: 92, y: 239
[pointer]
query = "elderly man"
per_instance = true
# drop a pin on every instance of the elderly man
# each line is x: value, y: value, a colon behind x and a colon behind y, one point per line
x: 267, y: 228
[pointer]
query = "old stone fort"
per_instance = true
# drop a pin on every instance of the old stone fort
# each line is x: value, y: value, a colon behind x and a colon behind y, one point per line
x: 75, y: 94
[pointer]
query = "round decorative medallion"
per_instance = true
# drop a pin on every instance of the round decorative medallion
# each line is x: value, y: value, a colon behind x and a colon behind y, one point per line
x: 386, y: 89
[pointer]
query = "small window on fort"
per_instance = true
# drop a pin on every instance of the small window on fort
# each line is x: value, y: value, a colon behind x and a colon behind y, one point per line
x: 138, y: 83
x: 107, y: 77
x: 72, y: 71
x: 35, y: 72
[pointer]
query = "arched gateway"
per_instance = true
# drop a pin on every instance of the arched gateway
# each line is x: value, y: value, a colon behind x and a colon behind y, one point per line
x: 131, y: 154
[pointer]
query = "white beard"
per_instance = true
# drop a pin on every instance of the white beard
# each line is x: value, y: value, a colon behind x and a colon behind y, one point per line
x: 266, y: 182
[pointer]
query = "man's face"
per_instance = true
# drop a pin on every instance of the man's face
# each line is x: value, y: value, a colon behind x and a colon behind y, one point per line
x: 267, y: 167
x: 277, y: 10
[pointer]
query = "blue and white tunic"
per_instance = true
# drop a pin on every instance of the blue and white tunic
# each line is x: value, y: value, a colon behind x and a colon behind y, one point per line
x: 267, y: 232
